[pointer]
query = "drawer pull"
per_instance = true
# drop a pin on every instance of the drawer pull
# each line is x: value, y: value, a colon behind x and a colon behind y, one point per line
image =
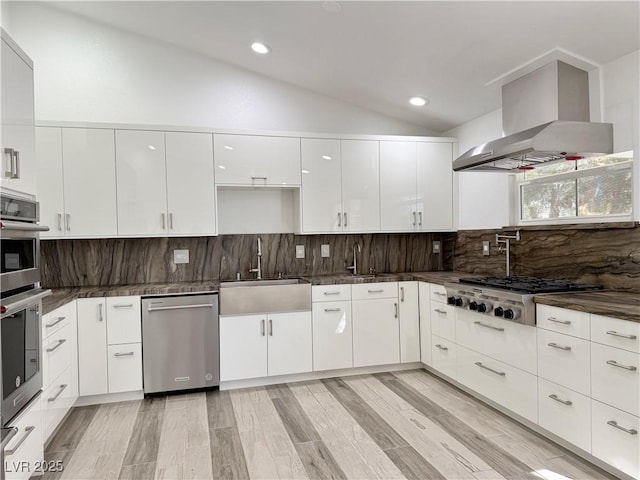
x: 60, y: 342
x: 53, y: 324
x: 559, y: 347
x: 126, y: 305
x: 128, y: 354
x: 502, y: 374
x: 437, y: 310
x: 440, y: 293
x: 55, y: 397
x: 380, y: 290
x: 27, y: 432
x: 395, y: 312
x: 262, y: 327
x: 402, y: 294
x: 331, y: 293
x: 631, y: 368
x: 441, y: 347
x: 555, y: 320
x: 553, y: 396
x: 332, y: 310
x: 616, y: 334
x: 500, y: 329
x: 630, y: 431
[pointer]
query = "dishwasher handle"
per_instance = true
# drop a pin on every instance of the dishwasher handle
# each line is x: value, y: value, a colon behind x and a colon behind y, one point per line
x: 180, y: 307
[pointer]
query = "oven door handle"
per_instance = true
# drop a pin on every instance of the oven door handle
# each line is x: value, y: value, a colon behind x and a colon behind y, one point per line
x: 23, y: 226
x: 37, y: 295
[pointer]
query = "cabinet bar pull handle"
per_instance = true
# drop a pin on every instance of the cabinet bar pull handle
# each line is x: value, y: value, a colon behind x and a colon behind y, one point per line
x: 8, y: 173
x: 68, y: 221
x: 59, y: 222
x: 332, y: 309
x: 630, y: 431
x: 55, y: 397
x: 631, y: 368
x: 262, y: 327
x: 180, y: 307
x: 171, y: 221
x: 441, y: 347
x: 499, y: 329
x: 559, y: 347
x: 27, y: 432
x: 555, y: 320
x: 331, y: 293
x: 258, y: 178
x: 616, y: 334
x: 16, y: 155
x: 339, y: 219
x: 502, y: 374
x: 270, y: 328
x: 553, y: 396
x: 402, y: 294
x: 345, y: 218
x: 414, y: 219
x: 420, y: 218
x: 124, y: 305
x: 380, y: 290
x: 100, y: 316
x: 437, y: 310
x: 440, y: 294
x: 60, y: 342
x: 164, y: 220
x: 53, y: 324
x: 395, y: 306
x: 128, y: 354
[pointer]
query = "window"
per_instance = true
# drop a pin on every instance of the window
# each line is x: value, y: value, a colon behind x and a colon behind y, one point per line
x: 582, y: 189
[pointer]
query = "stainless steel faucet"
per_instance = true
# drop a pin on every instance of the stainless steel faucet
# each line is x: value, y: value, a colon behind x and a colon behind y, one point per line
x: 354, y: 267
x: 258, y: 270
x: 504, y: 245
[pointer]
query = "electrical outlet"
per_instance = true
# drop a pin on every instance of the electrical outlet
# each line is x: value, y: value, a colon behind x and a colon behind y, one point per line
x: 180, y: 256
x: 486, y: 249
x: 436, y: 246
x: 324, y: 250
x: 299, y: 251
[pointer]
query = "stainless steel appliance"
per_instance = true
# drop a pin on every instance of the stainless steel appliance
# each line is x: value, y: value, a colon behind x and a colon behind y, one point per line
x: 180, y: 346
x: 509, y: 298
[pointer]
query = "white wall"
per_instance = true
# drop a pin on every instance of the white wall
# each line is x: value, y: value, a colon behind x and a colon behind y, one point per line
x: 88, y: 72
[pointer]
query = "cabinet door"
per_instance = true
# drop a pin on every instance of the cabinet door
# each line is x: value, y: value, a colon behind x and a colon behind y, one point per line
x: 50, y: 180
x: 27, y: 445
x: 124, y: 320
x: 376, y: 334
x: 92, y: 346
x: 615, y: 377
x: 321, y: 186
x: 444, y: 356
x: 332, y: 336
x: 125, y: 367
x: 257, y: 160
x: 142, y: 183
x: 89, y: 182
x: 190, y: 184
x: 434, y: 194
x: 398, y: 186
x: 409, y: 322
x: 290, y: 344
x: 425, y: 322
x: 243, y: 347
x: 361, y: 185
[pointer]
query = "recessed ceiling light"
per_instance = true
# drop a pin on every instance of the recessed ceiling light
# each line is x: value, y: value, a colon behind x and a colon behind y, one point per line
x: 331, y: 7
x: 228, y: 147
x: 151, y: 147
x: 326, y: 157
x: 260, y: 48
x: 418, y: 101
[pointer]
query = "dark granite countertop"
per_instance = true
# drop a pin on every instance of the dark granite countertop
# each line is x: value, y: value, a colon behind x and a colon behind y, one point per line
x: 431, y: 277
x: 610, y: 303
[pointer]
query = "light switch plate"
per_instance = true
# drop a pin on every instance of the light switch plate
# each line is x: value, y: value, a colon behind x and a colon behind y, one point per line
x: 324, y: 250
x: 299, y: 251
x: 486, y: 249
x: 180, y: 256
x: 436, y: 246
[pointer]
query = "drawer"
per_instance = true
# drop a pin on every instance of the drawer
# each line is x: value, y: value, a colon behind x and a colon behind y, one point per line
x: 615, y: 333
x: 561, y: 320
x: 54, y: 321
x: 125, y: 367
x: 615, y: 377
x: 330, y: 293
x: 27, y: 445
x: 368, y: 291
x: 57, y: 400
x: 443, y: 356
x: 57, y: 354
x: 565, y: 360
x: 332, y: 336
x: 443, y: 321
x: 511, y: 387
x: 611, y: 443
x: 123, y: 320
x: 565, y: 413
x: 509, y: 342
x: 437, y: 293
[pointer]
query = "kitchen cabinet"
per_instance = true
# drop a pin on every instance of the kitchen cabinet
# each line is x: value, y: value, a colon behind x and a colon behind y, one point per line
x: 409, y: 322
x: 332, y: 335
x: 615, y: 377
x: 256, y: 160
x: 253, y: 346
x: 92, y: 347
x: 424, y: 307
x: 564, y: 360
x: 25, y: 451
x: 434, y: 191
x: 77, y: 181
x: 125, y: 367
x: 444, y: 356
x: 340, y: 185
x: 18, y: 168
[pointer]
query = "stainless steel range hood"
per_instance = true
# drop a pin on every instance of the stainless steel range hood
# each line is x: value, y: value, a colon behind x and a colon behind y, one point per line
x: 545, y: 118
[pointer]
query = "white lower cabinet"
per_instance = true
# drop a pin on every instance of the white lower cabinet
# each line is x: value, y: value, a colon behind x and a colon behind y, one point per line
x: 57, y: 401
x: 125, y: 374
x: 443, y: 321
x: 565, y: 413
x: 332, y: 335
x: 564, y: 360
x: 424, y: 308
x: 25, y: 450
x: 615, y: 377
x: 409, y: 322
x: 615, y: 438
x: 376, y: 333
x: 92, y: 347
x: 253, y: 346
x: 444, y: 356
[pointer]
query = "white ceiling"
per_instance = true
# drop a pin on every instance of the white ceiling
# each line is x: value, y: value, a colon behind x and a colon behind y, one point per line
x: 378, y: 54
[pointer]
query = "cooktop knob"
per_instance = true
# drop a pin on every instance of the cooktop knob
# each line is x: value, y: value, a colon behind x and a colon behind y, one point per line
x: 509, y: 314
x: 474, y: 306
x: 458, y: 301
x: 482, y: 307
x: 498, y: 312
x: 451, y: 300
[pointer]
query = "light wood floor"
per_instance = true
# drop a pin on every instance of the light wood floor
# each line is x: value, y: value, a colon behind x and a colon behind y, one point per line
x: 386, y: 426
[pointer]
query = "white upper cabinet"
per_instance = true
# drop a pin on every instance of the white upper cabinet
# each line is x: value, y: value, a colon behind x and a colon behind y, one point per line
x: 434, y: 199
x: 257, y: 160
x: 50, y: 180
x: 190, y: 184
x: 142, y: 182
x: 361, y: 185
x: 18, y: 166
x: 398, y: 186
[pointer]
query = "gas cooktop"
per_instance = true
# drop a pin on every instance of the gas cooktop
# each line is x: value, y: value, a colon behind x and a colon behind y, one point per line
x: 529, y: 285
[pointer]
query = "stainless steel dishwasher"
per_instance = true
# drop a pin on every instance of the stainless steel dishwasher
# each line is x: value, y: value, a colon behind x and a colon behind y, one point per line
x: 180, y: 347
